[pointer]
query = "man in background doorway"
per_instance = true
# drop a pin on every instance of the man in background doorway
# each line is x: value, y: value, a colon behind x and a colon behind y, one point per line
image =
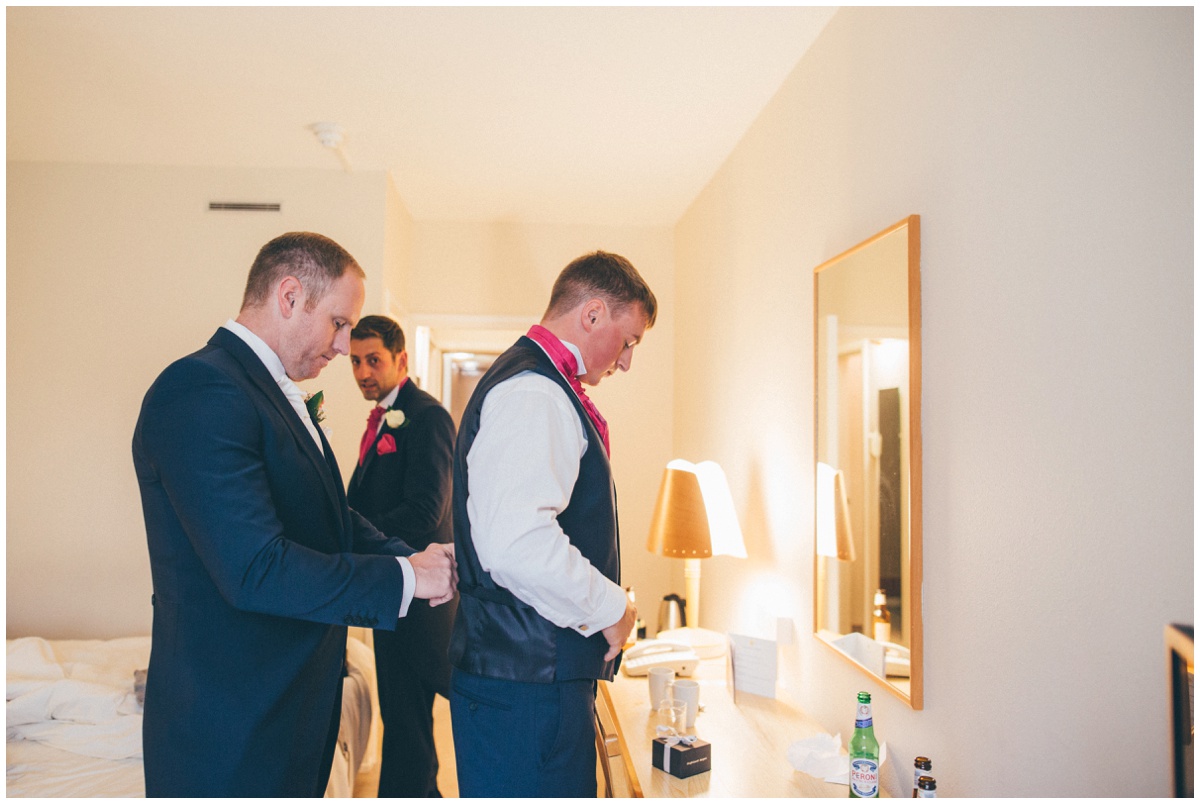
x: 542, y: 614
x: 402, y: 485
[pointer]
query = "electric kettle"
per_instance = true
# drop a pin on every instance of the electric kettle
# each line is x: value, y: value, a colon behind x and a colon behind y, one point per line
x: 671, y: 613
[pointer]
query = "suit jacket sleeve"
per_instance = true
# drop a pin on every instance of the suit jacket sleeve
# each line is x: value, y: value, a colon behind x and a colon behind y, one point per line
x: 370, y: 541
x: 425, y: 499
x: 218, y: 460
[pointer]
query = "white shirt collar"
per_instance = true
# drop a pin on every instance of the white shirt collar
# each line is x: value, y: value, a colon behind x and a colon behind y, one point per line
x: 390, y: 399
x: 580, y: 369
x: 265, y: 353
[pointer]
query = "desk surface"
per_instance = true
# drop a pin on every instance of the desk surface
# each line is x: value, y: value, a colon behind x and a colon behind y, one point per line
x: 749, y: 741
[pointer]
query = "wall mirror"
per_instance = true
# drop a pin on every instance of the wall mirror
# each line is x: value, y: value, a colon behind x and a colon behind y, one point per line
x: 867, y: 311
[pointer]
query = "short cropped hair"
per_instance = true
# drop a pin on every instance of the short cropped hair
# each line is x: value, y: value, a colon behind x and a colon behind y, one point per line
x: 314, y: 259
x: 610, y: 277
x: 381, y: 327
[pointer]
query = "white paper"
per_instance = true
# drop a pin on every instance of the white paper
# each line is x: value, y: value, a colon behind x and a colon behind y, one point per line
x: 755, y: 664
x: 823, y: 757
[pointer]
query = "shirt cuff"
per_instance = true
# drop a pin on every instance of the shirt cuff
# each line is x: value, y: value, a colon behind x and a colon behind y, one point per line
x: 410, y: 585
x: 609, y: 613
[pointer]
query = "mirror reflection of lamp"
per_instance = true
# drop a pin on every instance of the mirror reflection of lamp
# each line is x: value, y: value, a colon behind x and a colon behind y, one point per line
x: 835, y: 542
x: 693, y: 519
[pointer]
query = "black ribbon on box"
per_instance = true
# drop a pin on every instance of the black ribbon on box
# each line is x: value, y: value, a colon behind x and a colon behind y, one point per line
x: 681, y: 756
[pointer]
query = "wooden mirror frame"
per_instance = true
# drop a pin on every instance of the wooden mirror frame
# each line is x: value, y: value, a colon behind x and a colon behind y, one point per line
x: 915, y: 695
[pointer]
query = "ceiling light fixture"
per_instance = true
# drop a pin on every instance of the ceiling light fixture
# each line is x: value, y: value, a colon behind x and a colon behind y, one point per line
x: 331, y: 136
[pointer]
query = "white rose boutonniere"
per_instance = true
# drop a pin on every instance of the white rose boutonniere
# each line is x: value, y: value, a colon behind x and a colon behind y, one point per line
x: 394, y: 419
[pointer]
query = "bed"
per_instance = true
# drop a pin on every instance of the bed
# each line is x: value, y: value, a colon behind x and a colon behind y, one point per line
x: 74, y: 723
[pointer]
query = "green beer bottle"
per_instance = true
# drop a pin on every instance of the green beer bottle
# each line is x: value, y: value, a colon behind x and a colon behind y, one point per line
x: 864, y: 752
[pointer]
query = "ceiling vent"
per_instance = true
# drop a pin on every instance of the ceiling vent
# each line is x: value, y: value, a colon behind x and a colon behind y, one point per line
x: 242, y: 206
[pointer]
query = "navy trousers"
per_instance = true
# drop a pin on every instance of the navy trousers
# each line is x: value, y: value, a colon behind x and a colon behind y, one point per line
x: 514, y: 738
x: 409, y: 765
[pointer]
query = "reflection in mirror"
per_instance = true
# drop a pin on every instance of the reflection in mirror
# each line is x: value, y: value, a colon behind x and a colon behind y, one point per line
x: 868, y: 457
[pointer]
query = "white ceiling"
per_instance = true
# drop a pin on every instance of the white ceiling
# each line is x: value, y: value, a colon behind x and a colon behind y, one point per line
x: 615, y: 115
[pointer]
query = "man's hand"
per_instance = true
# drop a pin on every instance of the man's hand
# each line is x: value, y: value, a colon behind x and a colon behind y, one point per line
x: 618, y: 633
x: 436, y: 572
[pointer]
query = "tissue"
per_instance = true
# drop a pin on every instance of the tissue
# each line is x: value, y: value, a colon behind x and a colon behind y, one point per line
x: 823, y: 757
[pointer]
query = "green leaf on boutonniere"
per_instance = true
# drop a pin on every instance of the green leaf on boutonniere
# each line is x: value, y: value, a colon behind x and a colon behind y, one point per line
x: 315, y: 404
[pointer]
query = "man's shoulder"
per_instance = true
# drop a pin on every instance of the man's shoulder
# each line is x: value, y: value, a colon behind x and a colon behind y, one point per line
x: 528, y: 387
x: 211, y: 366
x: 421, y: 406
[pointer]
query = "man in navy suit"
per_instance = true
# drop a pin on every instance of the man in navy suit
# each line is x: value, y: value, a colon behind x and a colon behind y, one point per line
x: 257, y: 562
x: 402, y: 485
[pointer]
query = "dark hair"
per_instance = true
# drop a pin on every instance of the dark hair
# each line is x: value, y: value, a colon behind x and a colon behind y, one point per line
x: 314, y: 259
x: 381, y: 327
x: 608, y: 276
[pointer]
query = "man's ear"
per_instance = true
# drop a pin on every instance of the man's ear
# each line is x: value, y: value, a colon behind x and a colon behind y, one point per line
x: 591, y: 312
x: 288, y: 295
x: 402, y: 360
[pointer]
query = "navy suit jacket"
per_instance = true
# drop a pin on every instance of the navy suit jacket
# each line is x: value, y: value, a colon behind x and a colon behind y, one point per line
x: 258, y: 566
x: 407, y: 495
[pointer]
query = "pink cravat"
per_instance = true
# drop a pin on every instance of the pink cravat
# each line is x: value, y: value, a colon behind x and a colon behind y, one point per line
x: 369, y: 435
x: 566, y: 363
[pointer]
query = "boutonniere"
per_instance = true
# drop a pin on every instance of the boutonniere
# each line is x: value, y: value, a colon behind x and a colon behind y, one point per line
x: 395, y: 420
x: 316, y: 406
x: 386, y: 444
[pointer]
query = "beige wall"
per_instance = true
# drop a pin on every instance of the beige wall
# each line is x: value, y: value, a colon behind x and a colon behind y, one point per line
x: 113, y: 272
x: 1050, y: 155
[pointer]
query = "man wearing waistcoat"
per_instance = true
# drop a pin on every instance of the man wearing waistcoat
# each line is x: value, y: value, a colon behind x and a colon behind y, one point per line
x: 402, y: 486
x: 258, y: 563
x: 542, y: 614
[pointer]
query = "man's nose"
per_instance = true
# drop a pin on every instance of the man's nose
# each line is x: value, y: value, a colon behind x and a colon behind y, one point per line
x: 625, y: 360
x: 361, y: 372
x: 341, y: 341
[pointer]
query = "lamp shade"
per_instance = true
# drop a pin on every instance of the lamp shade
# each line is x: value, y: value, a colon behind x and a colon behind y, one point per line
x: 834, y: 537
x: 694, y: 516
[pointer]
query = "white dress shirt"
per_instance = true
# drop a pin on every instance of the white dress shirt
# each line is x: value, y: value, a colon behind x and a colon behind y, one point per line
x: 387, y: 402
x: 275, y: 367
x: 522, y: 468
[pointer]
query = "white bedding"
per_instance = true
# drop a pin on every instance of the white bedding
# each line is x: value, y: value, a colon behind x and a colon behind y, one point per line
x: 74, y: 725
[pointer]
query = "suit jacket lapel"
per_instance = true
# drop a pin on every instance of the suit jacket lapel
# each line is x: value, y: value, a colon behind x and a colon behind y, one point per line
x: 401, y: 400
x: 270, y: 389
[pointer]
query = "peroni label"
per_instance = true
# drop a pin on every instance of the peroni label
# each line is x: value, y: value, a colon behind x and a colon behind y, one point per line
x: 864, y: 777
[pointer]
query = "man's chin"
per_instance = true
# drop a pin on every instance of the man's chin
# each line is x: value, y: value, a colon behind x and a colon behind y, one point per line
x: 310, y: 372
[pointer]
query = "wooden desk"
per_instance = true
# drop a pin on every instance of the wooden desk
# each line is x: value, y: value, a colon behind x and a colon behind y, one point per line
x: 749, y: 741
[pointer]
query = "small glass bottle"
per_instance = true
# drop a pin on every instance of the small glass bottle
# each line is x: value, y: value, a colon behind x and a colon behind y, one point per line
x: 864, y: 752
x: 882, y: 618
x: 921, y: 767
x: 926, y: 787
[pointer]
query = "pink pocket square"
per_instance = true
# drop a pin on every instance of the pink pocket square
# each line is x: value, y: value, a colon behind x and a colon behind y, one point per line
x: 386, y: 444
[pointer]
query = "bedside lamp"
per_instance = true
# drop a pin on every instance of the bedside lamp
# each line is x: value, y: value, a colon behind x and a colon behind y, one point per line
x: 694, y: 519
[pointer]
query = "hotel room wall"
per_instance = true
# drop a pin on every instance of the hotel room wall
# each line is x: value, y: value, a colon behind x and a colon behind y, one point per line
x: 113, y: 272
x: 1050, y: 155
x: 506, y: 269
